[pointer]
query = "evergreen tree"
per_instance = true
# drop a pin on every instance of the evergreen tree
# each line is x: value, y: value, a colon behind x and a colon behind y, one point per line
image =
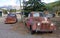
x: 34, y: 5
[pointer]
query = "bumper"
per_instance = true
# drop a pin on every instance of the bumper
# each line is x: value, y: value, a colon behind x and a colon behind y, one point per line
x: 39, y: 30
x: 43, y: 30
x: 7, y: 22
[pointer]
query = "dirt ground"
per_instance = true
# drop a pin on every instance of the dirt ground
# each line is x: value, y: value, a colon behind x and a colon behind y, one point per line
x: 21, y: 29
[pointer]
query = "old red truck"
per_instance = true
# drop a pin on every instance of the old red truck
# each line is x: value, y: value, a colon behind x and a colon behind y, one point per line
x: 37, y: 22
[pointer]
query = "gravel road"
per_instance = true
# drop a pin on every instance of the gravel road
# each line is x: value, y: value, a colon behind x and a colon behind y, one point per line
x: 22, y: 32
x: 21, y: 29
x: 5, y: 30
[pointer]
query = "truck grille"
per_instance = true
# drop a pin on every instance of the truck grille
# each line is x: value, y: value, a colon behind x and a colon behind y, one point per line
x: 45, y: 26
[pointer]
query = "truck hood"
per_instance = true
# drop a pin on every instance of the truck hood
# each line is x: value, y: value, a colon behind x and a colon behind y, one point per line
x: 39, y: 19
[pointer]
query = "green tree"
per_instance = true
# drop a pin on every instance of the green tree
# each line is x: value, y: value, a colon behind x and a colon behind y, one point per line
x: 4, y: 11
x: 12, y: 10
x: 34, y: 5
x: 53, y: 6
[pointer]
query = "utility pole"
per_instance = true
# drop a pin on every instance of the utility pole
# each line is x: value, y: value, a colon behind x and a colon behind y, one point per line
x: 23, y: 6
x: 20, y: 9
x: 20, y: 5
x: 23, y: 11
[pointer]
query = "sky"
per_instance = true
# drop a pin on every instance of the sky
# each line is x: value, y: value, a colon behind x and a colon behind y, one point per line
x: 16, y: 2
x: 48, y: 1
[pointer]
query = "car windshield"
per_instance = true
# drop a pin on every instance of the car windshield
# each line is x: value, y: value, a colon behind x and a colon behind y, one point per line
x: 11, y: 15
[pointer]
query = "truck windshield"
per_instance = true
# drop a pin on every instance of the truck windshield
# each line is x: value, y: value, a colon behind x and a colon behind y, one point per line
x: 36, y: 15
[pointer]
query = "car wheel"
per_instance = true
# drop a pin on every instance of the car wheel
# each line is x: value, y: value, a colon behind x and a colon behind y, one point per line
x: 16, y: 20
x: 25, y: 24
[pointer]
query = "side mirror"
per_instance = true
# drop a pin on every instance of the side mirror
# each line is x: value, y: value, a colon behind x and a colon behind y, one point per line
x: 53, y: 15
x: 48, y: 18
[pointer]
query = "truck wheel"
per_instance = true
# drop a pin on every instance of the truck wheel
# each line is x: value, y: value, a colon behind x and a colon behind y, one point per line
x: 30, y: 27
x: 50, y: 31
x: 32, y: 32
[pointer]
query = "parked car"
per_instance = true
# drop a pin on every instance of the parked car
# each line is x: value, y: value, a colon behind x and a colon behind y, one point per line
x: 11, y: 18
x: 37, y: 22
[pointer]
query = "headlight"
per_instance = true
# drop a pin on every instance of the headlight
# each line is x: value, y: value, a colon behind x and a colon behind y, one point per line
x: 38, y: 24
x: 52, y: 24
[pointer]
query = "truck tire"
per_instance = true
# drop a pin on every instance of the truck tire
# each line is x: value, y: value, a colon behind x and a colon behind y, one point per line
x: 30, y: 27
x: 50, y: 31
x: 32, y: 32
